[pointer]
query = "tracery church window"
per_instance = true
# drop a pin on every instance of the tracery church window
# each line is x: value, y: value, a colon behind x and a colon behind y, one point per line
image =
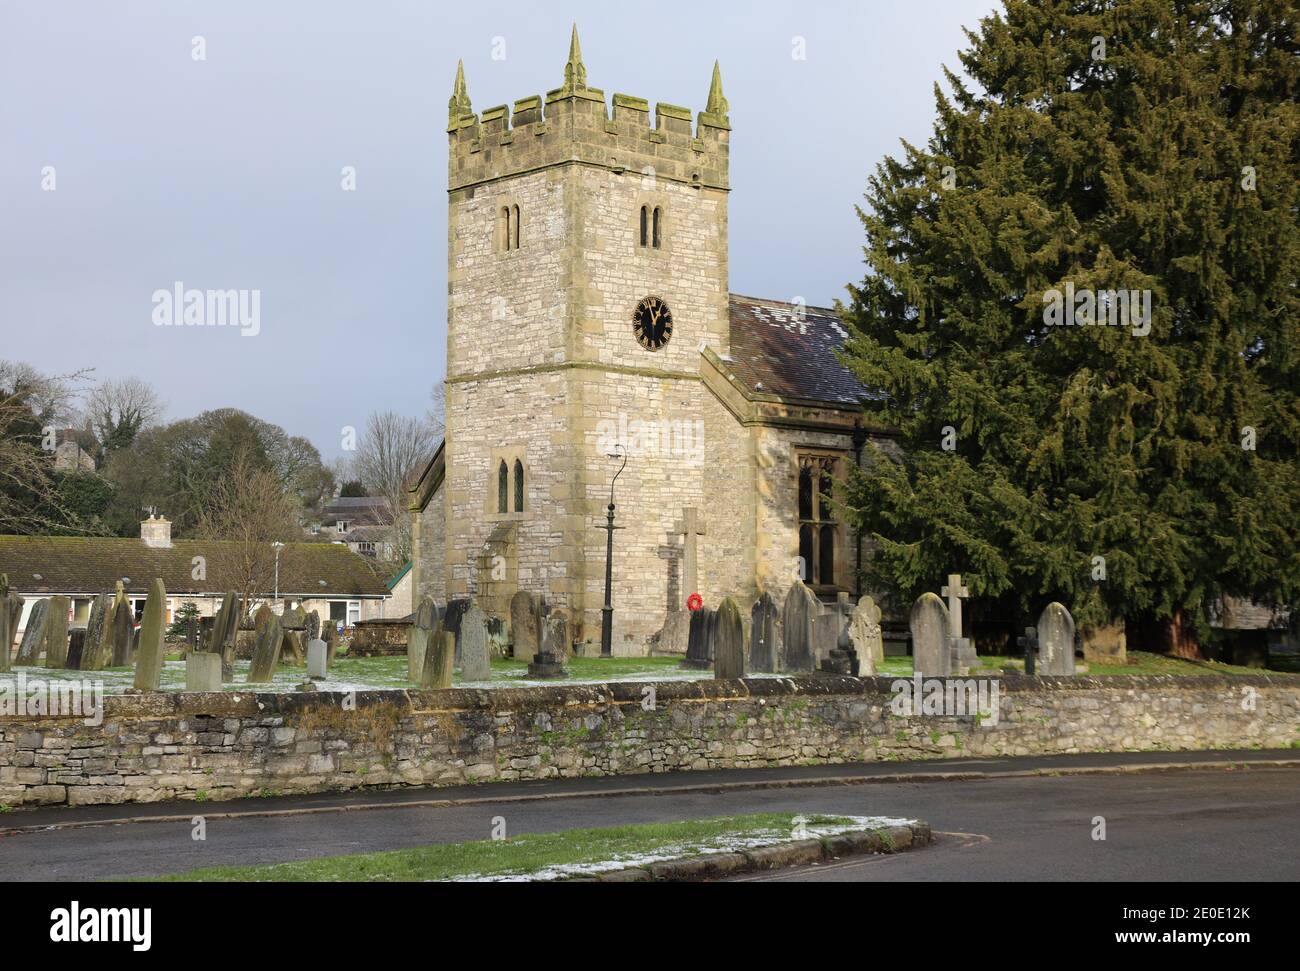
x: 817, y: 525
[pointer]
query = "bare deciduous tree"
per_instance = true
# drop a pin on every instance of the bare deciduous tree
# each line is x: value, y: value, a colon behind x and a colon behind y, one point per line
x: 392, y: 451
x: 249, y: 510
x: 32, y: 407
x: 118, y: 409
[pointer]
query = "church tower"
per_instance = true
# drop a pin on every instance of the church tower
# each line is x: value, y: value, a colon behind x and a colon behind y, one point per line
x: 587, y: 280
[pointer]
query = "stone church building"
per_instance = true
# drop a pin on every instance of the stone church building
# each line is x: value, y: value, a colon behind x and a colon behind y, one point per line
x: 589, y: 315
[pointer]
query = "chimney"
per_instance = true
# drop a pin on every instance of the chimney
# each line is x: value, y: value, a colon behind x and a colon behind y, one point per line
x: 156, y: 532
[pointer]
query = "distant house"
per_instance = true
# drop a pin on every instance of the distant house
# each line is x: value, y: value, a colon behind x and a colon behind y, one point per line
x: 362, y: 523
x: 325, y: 577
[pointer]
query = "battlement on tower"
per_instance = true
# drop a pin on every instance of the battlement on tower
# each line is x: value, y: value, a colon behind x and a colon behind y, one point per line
x: 574, y: 124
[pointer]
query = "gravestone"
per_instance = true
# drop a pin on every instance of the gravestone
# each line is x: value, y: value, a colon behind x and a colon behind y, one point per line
x: 76, y: 643
x: 293, y: 618
x: 867, y: 637
x: 292, y: 651
x: 97, y: 648
x: 699, y: 640
x: 451, y: 620
x: 962, y: 647
x: 438, y: 660
x: 317, y: 664
x: 548, y: 662
x: 843, y: 659
x: 33, y: 641
x: 266, y: 652
x: 525, y: 625
x: 1105, y: 643
x: 801, y: 606
x: 560, y: 646
x: 763, y: 647
x: 931, y: 652
x: 331, y: 645
x: 56, y: 633
x: 497, y: 641
x: 728, y: 641
x: 8, y: 620
x: 1055, y: 640
x: 225, y: 627
x: 203, y: 671
x: 149, y: 652
x: 424, y: 623
x: 262, y: 616
x: 826, y: 634
x: 123, y: 629
x: 474, y: 664
x: 313, y: 627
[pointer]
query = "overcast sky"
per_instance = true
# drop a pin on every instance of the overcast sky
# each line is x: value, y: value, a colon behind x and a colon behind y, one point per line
x: 224, y: 173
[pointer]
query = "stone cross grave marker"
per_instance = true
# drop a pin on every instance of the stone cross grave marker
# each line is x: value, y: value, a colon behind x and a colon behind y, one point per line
x: 763, y: 647
x: 1056, y: 640
x: 728, y: 631
x: 149, y: 653
x: 963, y: 650
x: 692, y: 528
x: 931, y: 650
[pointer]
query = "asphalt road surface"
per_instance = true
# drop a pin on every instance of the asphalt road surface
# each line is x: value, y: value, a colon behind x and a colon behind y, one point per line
x: 993, y: 820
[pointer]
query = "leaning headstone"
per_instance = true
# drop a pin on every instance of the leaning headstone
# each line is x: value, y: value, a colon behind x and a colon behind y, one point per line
x: 867, y: 637
x: 313, y: 626
x: 262, y: 616
x: 699, y: 644
x: 525, y: 632
x: 149, y: 653
x: 123, y: 629
x: 56, y: 633
x: 266, y: 653
x: 292, y: 651
x: 33, y: 641
x: 931, y: 652
x: 331, y: 645
x: 438, y: 660
x: 203, y: 671
x: 424, y: 623
x: 474, y: 664
x: 1055, y: 640
x: 762, y: 634
x: 225, y: 629
x: 728, y: 641
x: 97, y: 648
x: 801, y: 606
x: 317, y: 652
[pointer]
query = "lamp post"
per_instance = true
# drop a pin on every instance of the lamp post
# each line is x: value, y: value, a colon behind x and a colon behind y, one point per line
x: 278, y: 546
x: 607, y: 612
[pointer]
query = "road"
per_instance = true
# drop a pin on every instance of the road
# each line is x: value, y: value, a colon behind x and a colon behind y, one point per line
x: 994, y: 820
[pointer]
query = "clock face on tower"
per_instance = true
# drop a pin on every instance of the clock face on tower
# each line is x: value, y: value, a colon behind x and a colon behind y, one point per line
x: 652, y: 323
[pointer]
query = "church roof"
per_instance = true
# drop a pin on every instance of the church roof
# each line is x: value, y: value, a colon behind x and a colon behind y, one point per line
x: 789, y: 350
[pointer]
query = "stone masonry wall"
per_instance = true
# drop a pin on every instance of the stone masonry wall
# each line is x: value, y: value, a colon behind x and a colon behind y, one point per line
x: 227, y: 745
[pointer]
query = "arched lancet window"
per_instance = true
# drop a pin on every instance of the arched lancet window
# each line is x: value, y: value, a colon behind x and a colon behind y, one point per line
x: 658, y: 226
x: 519, y: 486
x: 504, y: 229
x: 503, y: 488
x: 645, y: 226
x: 518, y: 238
x: 817, y: 526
